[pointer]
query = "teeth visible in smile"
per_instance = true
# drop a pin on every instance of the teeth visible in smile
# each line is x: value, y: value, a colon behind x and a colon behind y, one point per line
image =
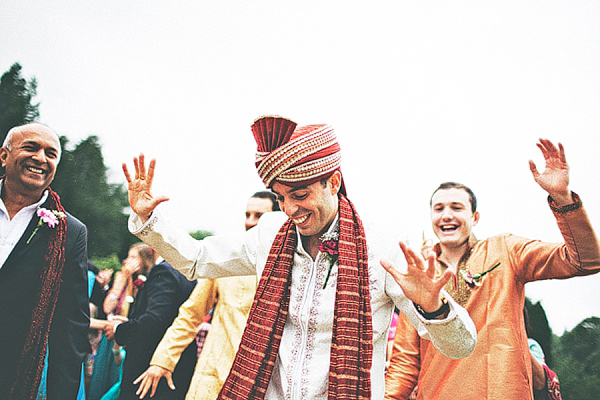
x: 448, y: 228
x: 301, y: 219
x: 36, y: 170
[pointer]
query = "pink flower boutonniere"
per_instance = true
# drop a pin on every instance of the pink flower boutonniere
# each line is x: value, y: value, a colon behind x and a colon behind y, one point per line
x: 475, y: 279
x: 50, y: 218
x: 139, y: 282
x: 329, y: 246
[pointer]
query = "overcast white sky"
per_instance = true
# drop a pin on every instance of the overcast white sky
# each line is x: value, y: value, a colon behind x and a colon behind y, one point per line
x: 418, y: 93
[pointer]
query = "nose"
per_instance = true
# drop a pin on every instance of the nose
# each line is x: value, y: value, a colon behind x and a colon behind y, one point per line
x: 288, y: 207
x: 446, y: 213
x: 39, y: 156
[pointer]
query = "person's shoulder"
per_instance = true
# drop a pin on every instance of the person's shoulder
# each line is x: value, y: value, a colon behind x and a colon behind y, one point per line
x: 498, y: 238
x: 270, y: 223
x: 163, y: 268
x: 273, y: 218
x: 159, y: 272
x: 73, y: 222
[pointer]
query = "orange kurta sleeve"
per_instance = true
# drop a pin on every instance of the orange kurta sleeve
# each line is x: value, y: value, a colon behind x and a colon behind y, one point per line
x: 578, y: 255
x: 402, y: 375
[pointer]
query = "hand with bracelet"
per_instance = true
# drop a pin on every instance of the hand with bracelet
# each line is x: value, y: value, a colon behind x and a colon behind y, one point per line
x: 419, y: 283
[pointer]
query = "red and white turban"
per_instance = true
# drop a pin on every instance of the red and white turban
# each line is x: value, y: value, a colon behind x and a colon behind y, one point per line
x: 294, y: 156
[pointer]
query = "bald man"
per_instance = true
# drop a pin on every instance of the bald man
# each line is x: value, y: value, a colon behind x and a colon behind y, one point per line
x: 43, y: 272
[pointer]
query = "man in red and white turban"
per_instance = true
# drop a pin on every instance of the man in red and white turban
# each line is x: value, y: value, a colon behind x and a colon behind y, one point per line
x: 318, y: 325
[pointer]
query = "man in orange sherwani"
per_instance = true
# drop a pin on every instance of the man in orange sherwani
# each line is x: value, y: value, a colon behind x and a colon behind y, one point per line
x: 490, y: 283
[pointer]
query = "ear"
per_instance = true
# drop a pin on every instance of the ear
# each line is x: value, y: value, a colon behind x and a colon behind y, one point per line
x: 3, y: 156
x: 335, y: 182
x: 475, y: 218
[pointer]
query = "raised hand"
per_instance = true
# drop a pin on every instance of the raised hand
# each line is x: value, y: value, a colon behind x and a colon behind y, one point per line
x: 419, y: 283
x: 150, y: 379
x: 141, y: 200
x: 131, y: 266
x: 555, y: 178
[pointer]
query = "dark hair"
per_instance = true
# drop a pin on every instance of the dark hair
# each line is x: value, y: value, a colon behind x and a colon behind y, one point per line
x: 145, y: 252
x: 454, y: 185
x: 265, y: 194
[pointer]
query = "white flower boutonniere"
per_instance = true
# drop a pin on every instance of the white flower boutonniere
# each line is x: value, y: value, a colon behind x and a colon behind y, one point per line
x: 50, y: 218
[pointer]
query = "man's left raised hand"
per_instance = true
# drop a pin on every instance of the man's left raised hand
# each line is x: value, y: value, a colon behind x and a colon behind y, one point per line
x: 419, y: 283
x: 555, y: 178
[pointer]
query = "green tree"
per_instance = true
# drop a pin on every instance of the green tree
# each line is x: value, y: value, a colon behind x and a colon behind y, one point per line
x: 577, y: 361
x: 81, y: 181
x: 81, y: 176
x: 16, y: 94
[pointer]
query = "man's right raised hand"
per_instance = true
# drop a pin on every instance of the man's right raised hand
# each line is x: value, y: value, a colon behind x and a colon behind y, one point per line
x: 139, y: 189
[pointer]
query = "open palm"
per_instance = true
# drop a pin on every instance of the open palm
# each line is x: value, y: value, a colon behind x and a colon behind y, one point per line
x: 419, y: 283
x: 139, y: 191
x: 555, y: 177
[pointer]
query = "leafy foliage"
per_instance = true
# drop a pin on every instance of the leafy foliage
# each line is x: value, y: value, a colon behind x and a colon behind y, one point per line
x: 81, y: 181
x: 577, y: 361
x: 109, y: 262
x: 16, y: 94
x: 16, y: 108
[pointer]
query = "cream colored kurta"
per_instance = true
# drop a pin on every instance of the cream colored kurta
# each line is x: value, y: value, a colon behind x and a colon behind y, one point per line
x: 302, y: 366
x: 235, y: 295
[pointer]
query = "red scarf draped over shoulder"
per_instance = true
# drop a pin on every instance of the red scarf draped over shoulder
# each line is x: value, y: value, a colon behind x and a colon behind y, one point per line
x: 31, y: 363
x: 352, y: 336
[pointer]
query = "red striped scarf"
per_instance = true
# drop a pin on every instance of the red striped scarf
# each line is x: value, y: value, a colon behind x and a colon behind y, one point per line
x: 31, y: 364
x: 352, y: 339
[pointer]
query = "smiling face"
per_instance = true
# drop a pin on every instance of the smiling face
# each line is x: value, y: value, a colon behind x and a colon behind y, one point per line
x: 30, y: 159
x: 312, y: 208
x: 452, y: 217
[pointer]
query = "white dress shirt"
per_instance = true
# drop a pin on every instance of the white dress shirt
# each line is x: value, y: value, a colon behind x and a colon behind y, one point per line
x: 11, y: 230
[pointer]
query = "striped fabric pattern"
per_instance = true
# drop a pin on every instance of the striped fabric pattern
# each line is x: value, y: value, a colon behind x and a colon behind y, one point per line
x: 352, y: 341
x: 293, y: 155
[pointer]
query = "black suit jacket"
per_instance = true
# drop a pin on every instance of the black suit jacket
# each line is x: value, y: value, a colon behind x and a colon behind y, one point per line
x: 20, y: 282
x: 155, y: 308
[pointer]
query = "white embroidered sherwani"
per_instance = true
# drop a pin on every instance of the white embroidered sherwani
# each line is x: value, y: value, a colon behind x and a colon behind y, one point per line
x: 302, y: 366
